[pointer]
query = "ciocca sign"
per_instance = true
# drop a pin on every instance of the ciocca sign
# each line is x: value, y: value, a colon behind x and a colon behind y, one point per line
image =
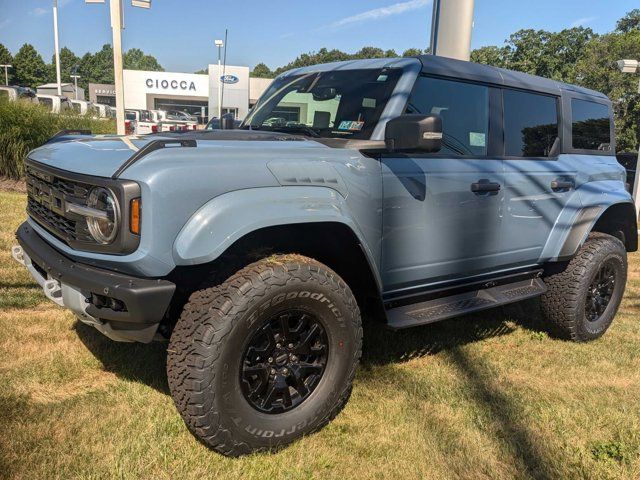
x: 171, y: 84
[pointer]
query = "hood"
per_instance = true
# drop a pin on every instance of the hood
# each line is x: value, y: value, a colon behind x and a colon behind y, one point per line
x: 103, y: 155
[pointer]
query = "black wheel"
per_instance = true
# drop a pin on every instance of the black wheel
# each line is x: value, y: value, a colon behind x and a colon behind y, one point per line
x: 583, y: 299
x: 266, y: 357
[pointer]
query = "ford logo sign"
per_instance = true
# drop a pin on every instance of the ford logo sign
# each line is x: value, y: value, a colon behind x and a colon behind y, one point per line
x: 229, y: 79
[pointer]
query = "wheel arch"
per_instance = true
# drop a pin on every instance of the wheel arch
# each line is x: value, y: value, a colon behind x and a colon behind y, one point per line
x: 617, y: 219
x: 237, y: 228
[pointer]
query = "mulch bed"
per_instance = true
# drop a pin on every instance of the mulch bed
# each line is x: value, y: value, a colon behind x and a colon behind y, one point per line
x: 10, y: 185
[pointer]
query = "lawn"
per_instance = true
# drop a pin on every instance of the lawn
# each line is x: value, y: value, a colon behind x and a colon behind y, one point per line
x: 485, y: 396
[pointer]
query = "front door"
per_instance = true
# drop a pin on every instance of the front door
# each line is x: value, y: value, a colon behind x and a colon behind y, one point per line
x: 442, y: 212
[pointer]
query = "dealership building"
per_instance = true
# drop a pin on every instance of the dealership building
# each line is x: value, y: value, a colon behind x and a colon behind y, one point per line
x: 189, y: 92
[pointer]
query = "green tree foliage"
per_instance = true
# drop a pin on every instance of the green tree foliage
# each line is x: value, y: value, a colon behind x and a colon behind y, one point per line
x: 414, y: 52
x: 596, y: 69
x: 29, y: 68
x: 68, y: 60
x: 5, y: 59
x: 631, y: 21
x: 261, y: 71
x: 135, y: 59
x: 491, y: 55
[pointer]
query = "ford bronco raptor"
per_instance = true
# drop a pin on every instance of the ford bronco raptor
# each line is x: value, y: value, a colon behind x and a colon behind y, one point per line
x: 401, y: 190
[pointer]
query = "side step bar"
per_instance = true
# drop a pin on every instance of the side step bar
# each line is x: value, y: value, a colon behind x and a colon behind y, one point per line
x: 447, y: 307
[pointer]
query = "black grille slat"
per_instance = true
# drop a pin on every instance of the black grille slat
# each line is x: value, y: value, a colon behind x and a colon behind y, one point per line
x: 46, y: 198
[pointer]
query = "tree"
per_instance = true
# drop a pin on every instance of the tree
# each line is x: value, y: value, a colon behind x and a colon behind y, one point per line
x: 68, y: 60
x: 596, y: 69
x: 135, y: 59
x: 261, y: 71
x: 631, y: 21
x: 97, y: 67
x: 413, y: 52
x: 29, y: 68
x: 491, y: 55
x: 5, y: 59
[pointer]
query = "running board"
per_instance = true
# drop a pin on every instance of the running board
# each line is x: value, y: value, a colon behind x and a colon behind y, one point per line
x: 461, y: 304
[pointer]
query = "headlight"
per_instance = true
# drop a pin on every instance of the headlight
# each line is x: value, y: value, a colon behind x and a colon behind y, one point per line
x: 103, y: 229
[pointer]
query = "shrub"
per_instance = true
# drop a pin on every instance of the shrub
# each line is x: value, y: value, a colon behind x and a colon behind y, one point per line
x: 25, y: 126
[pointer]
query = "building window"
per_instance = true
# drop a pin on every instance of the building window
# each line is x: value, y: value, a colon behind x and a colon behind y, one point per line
x: 591, y: 125
x: 233, y: 111
x: 530, y: 124
x: 106, y: 100
x: 464, y: 109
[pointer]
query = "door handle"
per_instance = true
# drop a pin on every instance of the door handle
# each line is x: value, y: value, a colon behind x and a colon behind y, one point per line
x: 484, y: 186
x: 561, y: 185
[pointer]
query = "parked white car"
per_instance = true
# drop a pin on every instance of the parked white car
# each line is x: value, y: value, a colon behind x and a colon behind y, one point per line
x: 53, y: 103
x: 142, y: 121
x: 83, y: 107
x: 105, y: 111
x: 14, y: 93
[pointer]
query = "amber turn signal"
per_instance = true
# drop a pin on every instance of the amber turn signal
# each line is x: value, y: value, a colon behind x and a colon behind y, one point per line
x: 134, y: 220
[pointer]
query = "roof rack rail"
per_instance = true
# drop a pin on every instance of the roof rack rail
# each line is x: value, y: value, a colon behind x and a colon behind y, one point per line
x: 63, y: 134
x: 152, y: 147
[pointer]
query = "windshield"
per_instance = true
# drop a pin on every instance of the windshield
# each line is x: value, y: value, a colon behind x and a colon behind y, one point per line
x: 338, y: 104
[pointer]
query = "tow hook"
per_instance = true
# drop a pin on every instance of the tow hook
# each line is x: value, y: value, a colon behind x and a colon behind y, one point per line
x: 53, y: 291
x: 18, y: 255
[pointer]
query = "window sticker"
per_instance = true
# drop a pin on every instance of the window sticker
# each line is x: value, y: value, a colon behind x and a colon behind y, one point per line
x: 477, y: 139
x: 350, y: 126
x: 369, y: 102
x: 382, y: 78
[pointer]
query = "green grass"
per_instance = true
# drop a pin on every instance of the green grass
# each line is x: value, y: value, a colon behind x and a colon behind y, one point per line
x: 489, y: 396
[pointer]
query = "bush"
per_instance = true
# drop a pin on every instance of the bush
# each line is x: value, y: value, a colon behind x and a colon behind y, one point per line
x: 25, y: 126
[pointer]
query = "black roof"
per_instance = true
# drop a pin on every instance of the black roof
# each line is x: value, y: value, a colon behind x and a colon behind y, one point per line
x: 448, y: 67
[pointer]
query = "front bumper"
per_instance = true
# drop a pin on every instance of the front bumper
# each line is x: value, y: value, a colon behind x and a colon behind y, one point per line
x: 88, y: 291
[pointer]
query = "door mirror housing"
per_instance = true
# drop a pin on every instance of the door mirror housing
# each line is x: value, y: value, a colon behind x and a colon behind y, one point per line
x: 412, y: 132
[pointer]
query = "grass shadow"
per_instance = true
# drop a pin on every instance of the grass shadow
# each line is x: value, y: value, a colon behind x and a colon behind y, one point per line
x: 382, y: 345
x: 143, y: 363
x: 533, y: 456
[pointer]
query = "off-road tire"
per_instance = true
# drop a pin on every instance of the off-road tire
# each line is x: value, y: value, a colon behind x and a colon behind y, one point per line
x: 564, y: 303
x: 206, y: 348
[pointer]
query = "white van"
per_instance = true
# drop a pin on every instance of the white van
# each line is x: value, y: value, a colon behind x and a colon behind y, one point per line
x: 53, y: 103
x: 14, y: 93
x: 105, y: 111
x: 83, y: 107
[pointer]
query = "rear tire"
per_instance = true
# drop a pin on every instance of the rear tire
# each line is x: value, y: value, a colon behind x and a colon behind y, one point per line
x: 582, y: 300
x: 236, y: 390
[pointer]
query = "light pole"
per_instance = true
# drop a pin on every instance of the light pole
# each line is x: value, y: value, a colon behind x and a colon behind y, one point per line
x: 6, y: 73
x: 219, y: 44
x: 451, y: 28
x: 55, y: 45
x: 115, y: 10
x: 75, y: 82
x: 633, y: 66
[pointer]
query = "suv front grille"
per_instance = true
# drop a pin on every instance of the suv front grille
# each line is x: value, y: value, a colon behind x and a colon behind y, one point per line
x: 48, y: 195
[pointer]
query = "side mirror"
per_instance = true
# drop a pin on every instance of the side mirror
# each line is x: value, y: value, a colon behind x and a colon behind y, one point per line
x: 414, y: 132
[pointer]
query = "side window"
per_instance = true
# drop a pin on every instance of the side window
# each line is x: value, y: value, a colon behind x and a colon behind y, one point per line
x: 530, y: 124
x: 464, y: 109
x: 591, y: 125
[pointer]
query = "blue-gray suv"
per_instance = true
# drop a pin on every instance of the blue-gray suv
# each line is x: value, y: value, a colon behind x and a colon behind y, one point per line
x: 404, y: 191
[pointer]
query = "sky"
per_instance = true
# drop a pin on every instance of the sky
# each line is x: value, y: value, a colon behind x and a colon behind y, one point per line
x: 180, y: 33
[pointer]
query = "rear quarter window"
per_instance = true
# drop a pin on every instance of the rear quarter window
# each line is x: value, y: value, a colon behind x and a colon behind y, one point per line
x: 590, y: 125
x: 530, y: 124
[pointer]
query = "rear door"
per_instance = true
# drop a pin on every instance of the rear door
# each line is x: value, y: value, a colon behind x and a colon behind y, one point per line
x: 539, y: 181
x: 435, y: 226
